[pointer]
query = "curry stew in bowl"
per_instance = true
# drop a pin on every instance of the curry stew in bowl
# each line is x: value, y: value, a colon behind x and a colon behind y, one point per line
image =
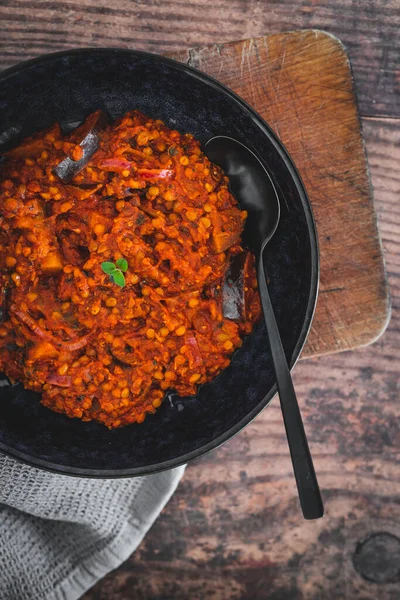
x: 122, y: 273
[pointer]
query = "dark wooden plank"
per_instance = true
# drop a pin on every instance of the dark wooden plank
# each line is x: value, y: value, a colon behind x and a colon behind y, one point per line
x: 368, y: 28
x: 233, y: 530
x: 301, y: 83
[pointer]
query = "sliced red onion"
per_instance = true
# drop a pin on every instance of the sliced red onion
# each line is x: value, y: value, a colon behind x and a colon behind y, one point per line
x: 64, y: 381
x: 155, y: 173
x: 114, y: 164
x: 194, y: 350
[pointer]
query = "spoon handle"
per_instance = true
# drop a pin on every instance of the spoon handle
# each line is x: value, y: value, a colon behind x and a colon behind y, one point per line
x: 306, y: 480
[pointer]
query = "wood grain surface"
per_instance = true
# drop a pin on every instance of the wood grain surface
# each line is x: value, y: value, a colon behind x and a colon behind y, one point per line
x: 369, y: 28
x: 233, y: 530
x: 301, y: 84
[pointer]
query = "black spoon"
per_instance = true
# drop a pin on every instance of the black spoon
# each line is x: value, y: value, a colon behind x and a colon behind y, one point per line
x: 254, y: 189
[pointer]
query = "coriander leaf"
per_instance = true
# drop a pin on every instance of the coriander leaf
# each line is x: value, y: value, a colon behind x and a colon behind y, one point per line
x: 122, y: 264
x: 118, y: 278
x: 108, y: 267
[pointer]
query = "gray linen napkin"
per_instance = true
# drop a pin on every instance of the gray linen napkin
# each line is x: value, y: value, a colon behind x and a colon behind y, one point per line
x: 61, y: 534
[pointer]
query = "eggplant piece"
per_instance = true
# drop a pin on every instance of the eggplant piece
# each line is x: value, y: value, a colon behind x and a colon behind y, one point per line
x: 67, y: 127
x: 94, y: 123
x: 234, y: 287
x: 87, y: 136
x: 84, y: 190
x: 227, y: 229
x: 10, y: 135
x: 27, y: 149
x: 4, y: 297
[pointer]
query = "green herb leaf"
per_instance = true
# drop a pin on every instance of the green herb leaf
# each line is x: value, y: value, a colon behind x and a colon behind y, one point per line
x: 118, y: 278
x: 122, y: 264
x: 108, y: 267
x: 172, y: 151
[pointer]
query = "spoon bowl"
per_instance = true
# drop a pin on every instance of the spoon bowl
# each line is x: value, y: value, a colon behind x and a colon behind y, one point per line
x: 252, y: 185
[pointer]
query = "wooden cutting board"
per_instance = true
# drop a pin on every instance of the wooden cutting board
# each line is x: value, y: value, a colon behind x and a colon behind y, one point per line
x: 301, y: 83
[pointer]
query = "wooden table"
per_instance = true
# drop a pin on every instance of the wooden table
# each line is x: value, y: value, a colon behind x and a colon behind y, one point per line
x: 233, y: 530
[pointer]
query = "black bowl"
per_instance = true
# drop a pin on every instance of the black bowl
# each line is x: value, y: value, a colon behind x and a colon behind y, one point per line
x: 68, y: 86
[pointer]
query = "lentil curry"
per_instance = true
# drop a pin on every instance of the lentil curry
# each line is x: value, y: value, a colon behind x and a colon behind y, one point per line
x: 117, y: 242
